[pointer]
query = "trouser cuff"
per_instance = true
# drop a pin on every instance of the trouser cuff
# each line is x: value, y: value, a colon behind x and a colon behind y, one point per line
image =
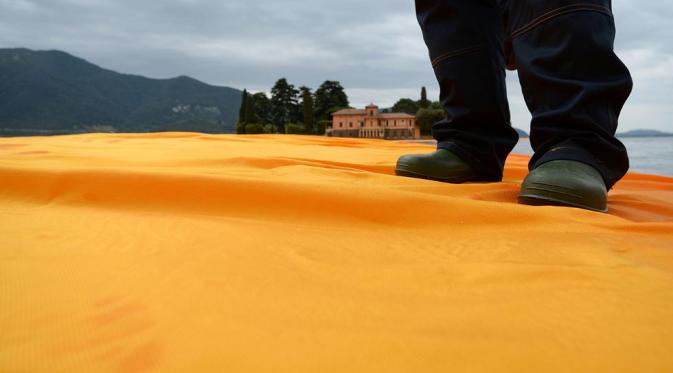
x: 572, y: 153
x: 484, y: 172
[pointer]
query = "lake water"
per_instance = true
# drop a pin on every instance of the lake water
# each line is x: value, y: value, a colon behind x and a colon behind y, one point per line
x: 649, y: 155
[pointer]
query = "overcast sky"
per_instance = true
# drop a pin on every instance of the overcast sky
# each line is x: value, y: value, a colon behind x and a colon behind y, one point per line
x: 374, y: 48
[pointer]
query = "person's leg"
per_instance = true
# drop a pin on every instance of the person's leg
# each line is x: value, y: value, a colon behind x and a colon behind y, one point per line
x: 465, y: 42
x: 573, y: 83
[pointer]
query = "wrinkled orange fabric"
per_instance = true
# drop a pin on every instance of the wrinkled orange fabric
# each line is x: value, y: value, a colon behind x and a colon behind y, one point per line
x: 183, y: 252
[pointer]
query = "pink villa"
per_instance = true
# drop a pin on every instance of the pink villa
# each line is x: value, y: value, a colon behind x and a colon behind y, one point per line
x: 370, y: 123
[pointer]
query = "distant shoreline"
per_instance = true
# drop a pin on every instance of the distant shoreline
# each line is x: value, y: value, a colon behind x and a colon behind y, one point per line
x: 11, y: 132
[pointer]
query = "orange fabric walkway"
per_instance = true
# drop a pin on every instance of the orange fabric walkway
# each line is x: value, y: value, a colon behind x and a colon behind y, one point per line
x: 196, y: 253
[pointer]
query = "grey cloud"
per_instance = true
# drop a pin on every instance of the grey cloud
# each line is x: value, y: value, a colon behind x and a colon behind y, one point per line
x: 374, y: 48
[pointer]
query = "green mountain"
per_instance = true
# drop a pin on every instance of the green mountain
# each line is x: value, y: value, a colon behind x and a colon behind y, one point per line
x: 521, y: 132
x: 644, y: 133
x: 44, y: 92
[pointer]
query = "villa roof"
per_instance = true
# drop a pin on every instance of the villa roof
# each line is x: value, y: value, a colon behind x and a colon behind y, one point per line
x: 395, y: 116
x: 350, y: 112
x: 380, y: 115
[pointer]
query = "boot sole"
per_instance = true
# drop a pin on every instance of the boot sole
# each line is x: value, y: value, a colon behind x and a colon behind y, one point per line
x: 535, y: 199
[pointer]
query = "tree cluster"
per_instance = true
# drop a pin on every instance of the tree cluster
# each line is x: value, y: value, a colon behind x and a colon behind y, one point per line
x: 290, y: 110
x: 427, y: 112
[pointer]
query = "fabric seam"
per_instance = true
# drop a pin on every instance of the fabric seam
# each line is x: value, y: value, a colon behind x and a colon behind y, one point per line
x: 455, y: 53
x: 558, y: 12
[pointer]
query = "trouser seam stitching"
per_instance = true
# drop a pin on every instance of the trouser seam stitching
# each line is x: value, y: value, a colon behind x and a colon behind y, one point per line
x: 454, y: 53
x: 558, y: 12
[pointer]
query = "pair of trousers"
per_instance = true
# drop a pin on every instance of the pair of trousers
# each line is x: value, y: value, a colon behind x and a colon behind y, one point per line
x: 573, y: 83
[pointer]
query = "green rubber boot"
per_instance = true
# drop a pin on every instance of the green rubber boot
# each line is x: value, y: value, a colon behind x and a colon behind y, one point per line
x: 442, y: 165
x: 565, y: 183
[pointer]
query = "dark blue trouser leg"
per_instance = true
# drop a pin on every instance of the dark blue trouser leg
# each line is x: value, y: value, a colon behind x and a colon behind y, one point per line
x: 574, y: 84
x: 465, y: 41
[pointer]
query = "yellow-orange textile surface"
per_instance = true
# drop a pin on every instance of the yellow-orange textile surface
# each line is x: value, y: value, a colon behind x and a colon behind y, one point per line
x: 180, y: 252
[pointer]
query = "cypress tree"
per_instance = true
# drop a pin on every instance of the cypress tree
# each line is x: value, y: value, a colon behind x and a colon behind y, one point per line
x: 424, y: 104
x: 249, y: 114
x: 240, y: 124
x: 241, y: 111
x: 309, y: 114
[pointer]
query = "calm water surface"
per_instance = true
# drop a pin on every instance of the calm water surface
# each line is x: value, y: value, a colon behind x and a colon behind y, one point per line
x: 649, y: 155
